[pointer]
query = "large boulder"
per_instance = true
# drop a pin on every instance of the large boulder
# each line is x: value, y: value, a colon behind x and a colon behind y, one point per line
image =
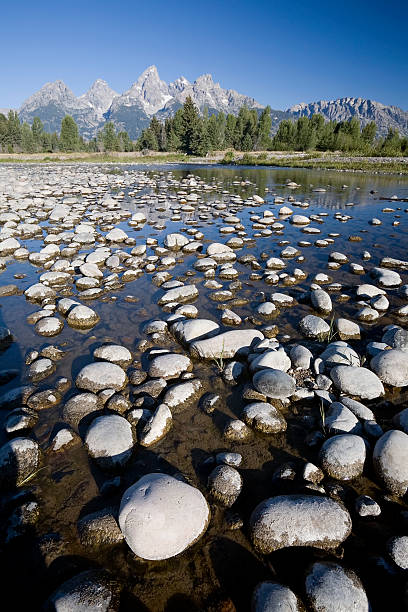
x: 101, y: 375
x: 161, y: 516
x: 391, y: 367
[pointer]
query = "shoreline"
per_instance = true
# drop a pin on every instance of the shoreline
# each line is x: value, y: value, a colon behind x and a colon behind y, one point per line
x: 316, y: 161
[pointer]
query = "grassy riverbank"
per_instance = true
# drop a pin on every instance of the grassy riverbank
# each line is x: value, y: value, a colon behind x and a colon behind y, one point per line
x: 315, y: 160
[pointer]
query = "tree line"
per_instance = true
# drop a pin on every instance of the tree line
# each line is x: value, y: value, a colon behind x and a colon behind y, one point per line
x: 194, y: 134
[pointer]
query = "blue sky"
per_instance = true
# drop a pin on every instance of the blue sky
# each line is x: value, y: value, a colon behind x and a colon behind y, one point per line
x: 281, y: 53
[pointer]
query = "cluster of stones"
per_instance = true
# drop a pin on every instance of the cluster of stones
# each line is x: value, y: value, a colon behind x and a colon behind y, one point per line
x: 119, y: 407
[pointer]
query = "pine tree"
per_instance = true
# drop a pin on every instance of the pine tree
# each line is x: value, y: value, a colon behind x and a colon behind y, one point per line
x: 192, y: 127
x: 263, y: 137
x: 109, y: 138
x: 37, y: 130
x: 69, y: 137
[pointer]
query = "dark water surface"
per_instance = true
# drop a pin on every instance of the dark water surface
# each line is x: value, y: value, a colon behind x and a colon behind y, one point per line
x: 222, y: 566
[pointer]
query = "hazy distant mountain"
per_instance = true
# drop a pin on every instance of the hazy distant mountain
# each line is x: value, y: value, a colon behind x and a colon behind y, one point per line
x: 149, y: 95
x: 365, y: 110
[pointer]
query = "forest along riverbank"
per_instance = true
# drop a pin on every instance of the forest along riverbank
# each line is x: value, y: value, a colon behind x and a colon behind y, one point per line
x: 203, y: 377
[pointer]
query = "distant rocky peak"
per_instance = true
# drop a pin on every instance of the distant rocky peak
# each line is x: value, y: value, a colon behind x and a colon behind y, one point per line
x: 99, y: 96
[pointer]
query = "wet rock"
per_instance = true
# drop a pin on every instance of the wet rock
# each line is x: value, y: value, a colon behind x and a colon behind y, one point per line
x: 343, y: 456
x: 109, y: 440
x: 300, y: 357
x: 101, y: 375
x: 332, y: 588
x: 114, y: 353
x: 357, y: 381
x: 175, y: 242
x: 63, y: 439
x: 391, y: 367
x: 90, y: 590
x: 40, y: 369
x: 273, y: 597
x: 359, y: 410
x: 274, y: 383
x: 314, y: 327
x: 186, y: 293
x: 277, y: 360
x: 157, y: 426
x: 339, y: 353
x: 397, y: 548
x: 170, y: 365
x: 153, y: 388
x: 227, y: 345
x: 236, y: 430
x: 367, y: 506
x: 229, y: 317
x: 16, y: 397
x: 299, y: 520
x: 396, y: 338
x: 49, y: 326
x: 224, y: 485
x: 209, y: 402
x: 188, y: 331
x: 82, y: 317
x: 39, y: 292
x: 19, y: 459
x: 158, y: 504
x: 80, y: 406
x: 233, y: 372
x: 264, y: 417
x: 20, y: 419
x: 181, y: 395
x: 321, y: 300
x: 390, y: 460
x: 339, y: 419
x: 99, y: 529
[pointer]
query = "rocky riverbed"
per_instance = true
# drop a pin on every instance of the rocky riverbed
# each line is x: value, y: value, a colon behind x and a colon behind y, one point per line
x: 203, y: 384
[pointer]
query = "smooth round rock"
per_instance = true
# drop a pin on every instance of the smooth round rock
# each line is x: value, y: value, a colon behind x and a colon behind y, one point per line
x: 109, y: 440
x: 299, y: 520
x: 264, y: 417
x: 343, y: 456
x: 391, y: 367
x: 161, y: 516
x: 82, y: 317
x: 274, y: 597
x: 19, y: 458
x: 332, y: 588
x: 398, y: 550
x: 169, y: 365
x: 114, y: 353
x: 90, y: 591
x: 49, y: 326
x: 314, y: 327
x: 357, y: 381
x: 101, y: 375
x: 274, y: 383
x: 224, y: 485
x: 390, y: 459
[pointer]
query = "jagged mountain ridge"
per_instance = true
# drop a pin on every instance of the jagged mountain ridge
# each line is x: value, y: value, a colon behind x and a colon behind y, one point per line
x: 149, y: 96
x: 343, y: 109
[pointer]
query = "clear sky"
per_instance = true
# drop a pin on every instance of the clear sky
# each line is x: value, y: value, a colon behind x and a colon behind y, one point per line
x: 281, y: 53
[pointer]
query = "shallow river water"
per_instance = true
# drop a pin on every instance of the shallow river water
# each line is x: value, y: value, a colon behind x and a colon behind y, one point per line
x: 221, y: 570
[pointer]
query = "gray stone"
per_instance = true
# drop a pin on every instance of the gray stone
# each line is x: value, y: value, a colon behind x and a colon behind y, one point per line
x: 19, y: 459
x: 274, y: 597
x: 398, y: 550
x: 79, y: 406
x: 109, y: 440
x: 227, y: 345
x: 299, y: 520
x: 357, y: 381
x: 391, y: 367
x: 264, y: 417
x: 170, y: 365
x: 343, y: 456
x: 274, y: 383
x: 332, y: 588
x: 114, y: 353
x: 300, y: 357
x: 224, y: 485
x: 101, y: 375
x: 90, y: 591
x: 160, y: 516
x: 390, y: 459
x: 314, y: 327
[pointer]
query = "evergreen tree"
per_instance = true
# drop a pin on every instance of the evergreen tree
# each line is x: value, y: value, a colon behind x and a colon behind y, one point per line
x: 191, y: 137
x: 13, y: 131
x: 69, y: 137
x: 28, y: 144
x: 263, y: 136
x: 230, y: 125
x: 368, y: 133
x: 37, y: 130
x: 109, y: 138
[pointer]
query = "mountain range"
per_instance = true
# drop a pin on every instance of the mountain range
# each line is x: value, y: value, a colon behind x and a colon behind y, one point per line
x: 150, y: 96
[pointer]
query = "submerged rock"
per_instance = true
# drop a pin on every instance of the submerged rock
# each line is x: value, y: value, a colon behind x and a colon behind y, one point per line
x: 274, y: 383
